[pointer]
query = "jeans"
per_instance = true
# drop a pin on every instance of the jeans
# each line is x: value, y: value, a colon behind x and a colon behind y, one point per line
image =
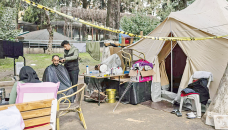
x: 74, y: 78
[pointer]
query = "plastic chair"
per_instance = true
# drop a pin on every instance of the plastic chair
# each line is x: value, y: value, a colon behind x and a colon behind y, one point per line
x: 195, y: 97
x: 64, y: 108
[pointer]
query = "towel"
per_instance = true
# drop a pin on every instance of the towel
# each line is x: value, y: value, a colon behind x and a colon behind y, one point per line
x: 202, y: 74
x: 93, y: 48
x: 106, y: 53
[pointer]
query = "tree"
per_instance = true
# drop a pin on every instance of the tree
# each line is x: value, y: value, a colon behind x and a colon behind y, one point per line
x: 137, y: 23
x: 39, y: 16
x: 8, y: 23
x: 169, y: 6
x: 113, y: 16
x: 33, y: 15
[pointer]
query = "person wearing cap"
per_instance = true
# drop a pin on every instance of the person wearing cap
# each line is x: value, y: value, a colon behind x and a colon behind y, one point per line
x: 70, y: 60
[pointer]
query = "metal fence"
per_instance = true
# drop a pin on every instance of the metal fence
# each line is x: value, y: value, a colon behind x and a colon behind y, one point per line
x: 55, y: 44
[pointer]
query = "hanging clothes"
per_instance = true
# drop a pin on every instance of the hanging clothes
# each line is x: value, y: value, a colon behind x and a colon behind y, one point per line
x: 8, y: 49
x: 12, y: 49
x: 18, y: 49
x: 106, y: 53
x: 93, y: 48
x: 200, y: 86
x: 1, y: 50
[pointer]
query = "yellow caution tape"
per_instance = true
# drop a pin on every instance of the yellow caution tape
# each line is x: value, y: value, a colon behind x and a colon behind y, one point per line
x: 119, y: 31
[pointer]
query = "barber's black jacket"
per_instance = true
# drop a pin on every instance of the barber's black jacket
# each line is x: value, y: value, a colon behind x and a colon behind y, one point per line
x: 71, y: 58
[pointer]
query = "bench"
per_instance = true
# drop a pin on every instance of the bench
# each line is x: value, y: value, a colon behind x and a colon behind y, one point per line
x: 37, y: 115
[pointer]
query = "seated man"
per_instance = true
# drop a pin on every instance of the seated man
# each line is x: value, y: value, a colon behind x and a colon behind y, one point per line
x: 58, y: 73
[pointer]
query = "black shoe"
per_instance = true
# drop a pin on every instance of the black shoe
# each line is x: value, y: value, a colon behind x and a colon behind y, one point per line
x: 178, y: 113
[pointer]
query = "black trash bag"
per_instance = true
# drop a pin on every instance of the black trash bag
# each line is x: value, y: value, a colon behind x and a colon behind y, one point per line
x: 59, y: 74
x: 200, y: 86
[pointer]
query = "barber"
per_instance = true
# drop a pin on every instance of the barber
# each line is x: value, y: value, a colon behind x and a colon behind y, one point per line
x: 71, y: 54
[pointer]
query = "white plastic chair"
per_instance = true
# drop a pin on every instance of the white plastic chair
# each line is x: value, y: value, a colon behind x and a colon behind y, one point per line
x: 195, y: 97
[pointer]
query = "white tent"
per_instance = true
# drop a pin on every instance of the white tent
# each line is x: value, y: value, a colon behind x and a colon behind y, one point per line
x: 203, y: 18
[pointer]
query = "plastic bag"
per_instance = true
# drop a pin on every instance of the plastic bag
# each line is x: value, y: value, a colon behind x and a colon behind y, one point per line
x: 11, y: 119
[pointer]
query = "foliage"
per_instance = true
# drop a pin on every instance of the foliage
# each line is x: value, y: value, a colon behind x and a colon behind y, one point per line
x: 36, y: 15
x: 8, y: 23
x: 168, y: 6
x: 10, y: 3
x: 137, y: 23
x: 32, y: 15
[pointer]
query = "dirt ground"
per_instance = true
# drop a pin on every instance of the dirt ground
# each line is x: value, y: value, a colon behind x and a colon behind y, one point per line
x: 126, y: 117
x: 6, y: 75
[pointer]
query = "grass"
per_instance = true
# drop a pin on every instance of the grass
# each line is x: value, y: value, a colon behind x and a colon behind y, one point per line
x: 41, y: 61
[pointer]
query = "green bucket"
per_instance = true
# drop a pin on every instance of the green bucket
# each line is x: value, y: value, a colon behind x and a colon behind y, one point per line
x: 111, y: 95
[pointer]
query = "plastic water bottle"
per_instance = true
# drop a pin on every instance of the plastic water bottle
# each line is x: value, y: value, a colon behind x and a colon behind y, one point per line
x: 87, y: 70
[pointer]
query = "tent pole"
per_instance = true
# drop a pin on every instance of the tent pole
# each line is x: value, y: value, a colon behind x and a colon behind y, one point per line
x: 171, y: 57
x: 171, y: 65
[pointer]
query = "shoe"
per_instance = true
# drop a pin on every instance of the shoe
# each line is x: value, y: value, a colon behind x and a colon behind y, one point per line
x: 191, y: 113
x: 191, y: 116
x: 174, y: 111
x: 178, y: 113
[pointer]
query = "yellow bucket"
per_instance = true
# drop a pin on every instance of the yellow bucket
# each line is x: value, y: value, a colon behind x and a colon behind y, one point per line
x: 111, y: 95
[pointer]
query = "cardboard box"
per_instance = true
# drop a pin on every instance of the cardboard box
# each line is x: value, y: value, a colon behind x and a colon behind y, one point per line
x: 147, y: 73
x: 141, y: 76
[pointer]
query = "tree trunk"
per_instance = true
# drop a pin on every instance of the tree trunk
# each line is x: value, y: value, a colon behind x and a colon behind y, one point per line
x: 50, y: 31
x: 113, y: 16
x: 84, y: 32
x: 84, y: 28
x: 80, y: 34
x: 96, y: 30
x: 85, y: 3
x: 64, y: 27
x: 102, y: 4
x: 185, y: 3
x: 71, y: 30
